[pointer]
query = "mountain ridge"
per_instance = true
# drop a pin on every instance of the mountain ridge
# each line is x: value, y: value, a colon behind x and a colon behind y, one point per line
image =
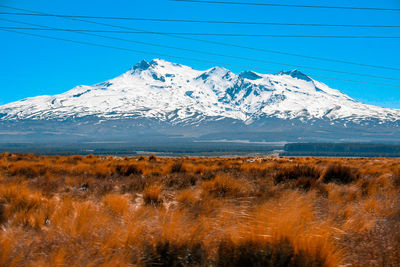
x: 162, y: 100
x: 158, y: 88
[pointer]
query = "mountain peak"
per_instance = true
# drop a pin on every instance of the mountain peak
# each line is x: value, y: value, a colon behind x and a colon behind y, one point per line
x: 218, y: 70
x: 250, y: 75
x: 296, y: 74
x: 142, y: 65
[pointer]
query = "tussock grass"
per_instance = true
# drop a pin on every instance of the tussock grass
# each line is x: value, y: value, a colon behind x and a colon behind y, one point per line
x: 137, y: 211
x: 152, y: 195
x: 225, y: 186
x: 118, y: 204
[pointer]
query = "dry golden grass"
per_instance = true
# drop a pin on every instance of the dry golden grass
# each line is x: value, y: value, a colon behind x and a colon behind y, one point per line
x: 137, y: 211
x: 118, y: 204
x: 152, y: 195
x: 225, y: 186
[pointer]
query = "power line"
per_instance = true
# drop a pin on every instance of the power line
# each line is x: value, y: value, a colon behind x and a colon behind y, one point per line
x: 214, y: 54
x: 114, y: 47
x: 204, y: 21
x: 228, y: 44
x: 287, y: 5
x: 179, y: 57
x: 210, y: 34
x: 286, y: 53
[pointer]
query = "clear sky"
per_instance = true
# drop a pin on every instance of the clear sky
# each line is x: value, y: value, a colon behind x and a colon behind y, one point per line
x: 32, y: 66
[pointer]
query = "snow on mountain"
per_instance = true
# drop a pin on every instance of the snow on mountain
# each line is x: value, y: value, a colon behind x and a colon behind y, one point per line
x: 175, y: 93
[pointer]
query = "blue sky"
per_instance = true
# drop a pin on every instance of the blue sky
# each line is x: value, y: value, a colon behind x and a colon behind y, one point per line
x: 32, y: 66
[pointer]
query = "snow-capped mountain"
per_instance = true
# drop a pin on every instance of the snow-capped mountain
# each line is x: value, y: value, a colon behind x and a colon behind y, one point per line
x: 172, y: 94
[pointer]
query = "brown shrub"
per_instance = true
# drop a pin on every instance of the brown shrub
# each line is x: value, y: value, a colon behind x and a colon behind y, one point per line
x: 294, y: 172
x: 3, y: 216
x: 177, y: 167
x: 152, y: 157
x: 396, y: 177
x: 135, y: 183
x: 179, y: 181
x: 27, y: 169
x: 339, y: 174
x: 77, y: 157
x: 127, y: 169
x: 47, y: 184
x: 305, y: 183
x: 248, y: 252
x: 169, y: 253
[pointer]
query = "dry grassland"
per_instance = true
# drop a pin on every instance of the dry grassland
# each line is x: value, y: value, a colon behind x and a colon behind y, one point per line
x: 149, y: 211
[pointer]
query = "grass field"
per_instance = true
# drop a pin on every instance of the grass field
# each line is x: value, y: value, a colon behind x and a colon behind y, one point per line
x: 150, y: 211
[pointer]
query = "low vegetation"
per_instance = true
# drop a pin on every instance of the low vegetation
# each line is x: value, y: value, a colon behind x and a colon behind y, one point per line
x: 152, y: 211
